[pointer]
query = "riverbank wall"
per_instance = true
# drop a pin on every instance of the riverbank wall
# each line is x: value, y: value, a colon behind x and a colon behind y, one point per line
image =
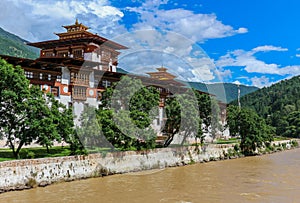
x: 23, y: 174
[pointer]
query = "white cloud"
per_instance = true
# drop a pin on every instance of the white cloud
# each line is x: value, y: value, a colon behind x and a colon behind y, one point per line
x: 268, y: 48
x: 251, y: 64
x: 261, y: 81
x: 195, y: 26
x: 242, y: 30
x: 298, y: 55
x: 37, y: 20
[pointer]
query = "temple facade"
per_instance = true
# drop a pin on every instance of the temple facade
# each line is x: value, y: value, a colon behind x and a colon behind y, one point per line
x: 78, y: 66
x: 84, y: 58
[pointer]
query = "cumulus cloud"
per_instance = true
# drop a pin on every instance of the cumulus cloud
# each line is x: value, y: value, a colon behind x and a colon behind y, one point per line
x: 247, y: 60
x: 150, y: 49
x: 195, y: 26
x: 261, y: 81
x: 268, y: 48
x: 36, y: 20
x: 174, y: 34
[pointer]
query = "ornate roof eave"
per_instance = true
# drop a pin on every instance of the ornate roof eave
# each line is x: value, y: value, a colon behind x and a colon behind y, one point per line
x: 95, y: 38
x: 31, y: 63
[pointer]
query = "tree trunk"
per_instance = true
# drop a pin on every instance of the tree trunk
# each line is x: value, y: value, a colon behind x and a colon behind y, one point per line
x: 169, y: 140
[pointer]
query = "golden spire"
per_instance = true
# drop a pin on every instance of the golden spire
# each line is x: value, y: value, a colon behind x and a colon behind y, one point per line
x: 76, y: 22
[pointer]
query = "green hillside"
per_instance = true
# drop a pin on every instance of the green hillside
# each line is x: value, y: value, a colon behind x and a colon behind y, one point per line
x: 279, y: 104
x: 13, y: 45
x: 225, y: 92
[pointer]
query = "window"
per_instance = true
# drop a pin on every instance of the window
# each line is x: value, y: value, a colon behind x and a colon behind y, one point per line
x: 80, y: 78
x: 55, y: 91
x: 62, y: 54
x: 79, y: 93
x: 49, y: 77
x: 28, y: 74
x: 106, y: 83
x: 49, y: 54
x: 41, y: 76
x: 58, y: 78
x: 77, y: 53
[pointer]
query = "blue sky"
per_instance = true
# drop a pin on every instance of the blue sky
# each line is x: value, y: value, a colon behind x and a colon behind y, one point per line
x: 254, y: 42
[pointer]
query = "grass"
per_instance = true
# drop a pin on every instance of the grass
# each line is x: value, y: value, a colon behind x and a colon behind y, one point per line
x: 41, y: 152
x: 229, y: 141
x: 279, y: 138
x: 35, y: 152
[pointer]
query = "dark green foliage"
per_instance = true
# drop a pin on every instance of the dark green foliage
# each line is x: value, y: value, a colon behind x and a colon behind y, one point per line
x: 126, y: 113
x: 15, y: 107
x: 292, y: 125
x: 278, y: 104
x: 89, y: 131
x: 27, y: 115
x: 13, y: 45
x: 252, y: 129
x: 184, y: 117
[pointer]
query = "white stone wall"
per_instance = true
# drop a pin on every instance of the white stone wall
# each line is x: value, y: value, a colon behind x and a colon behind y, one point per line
x: 65, y: 76
x: 92, y: 57
x: 22, y: 174
x: 64, y: 99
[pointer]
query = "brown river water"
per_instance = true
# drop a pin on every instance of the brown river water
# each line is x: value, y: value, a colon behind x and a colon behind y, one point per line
x: 268, y: 178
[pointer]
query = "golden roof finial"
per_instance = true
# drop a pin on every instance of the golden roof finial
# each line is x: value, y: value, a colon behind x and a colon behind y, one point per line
x: 76, y: 22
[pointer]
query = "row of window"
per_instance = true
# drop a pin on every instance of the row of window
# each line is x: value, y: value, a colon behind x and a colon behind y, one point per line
x: 80, y: 78
x: 79, y: 93
x: 75, y: 77
x: 41, y: 76
x: 77, y: 53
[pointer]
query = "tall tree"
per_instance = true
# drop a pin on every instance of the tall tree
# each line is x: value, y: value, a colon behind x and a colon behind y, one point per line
x: 126, y: 114
x: 26, y: 114
x: 55, y: 122
x: 292, y: 125
x: 20, y: 107
x: 183, y: 117
x: 252, y: 129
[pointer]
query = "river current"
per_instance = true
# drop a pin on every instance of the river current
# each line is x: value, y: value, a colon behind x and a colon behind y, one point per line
x: 268, y: 178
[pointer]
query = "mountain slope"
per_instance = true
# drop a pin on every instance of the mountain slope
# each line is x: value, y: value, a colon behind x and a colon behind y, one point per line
x: 225, y: 92
x: 13, y: 45
x: 278, y: 104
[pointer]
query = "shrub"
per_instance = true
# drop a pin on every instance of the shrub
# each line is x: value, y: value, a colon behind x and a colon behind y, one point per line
x: 236, y: 147
x: 295, y: 143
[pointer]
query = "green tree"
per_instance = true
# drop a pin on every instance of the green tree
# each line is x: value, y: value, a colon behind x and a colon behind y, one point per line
x: 27, y: 115
x: 55, y: 122
x: 209, y: 112
x: 126, y: 114
x: 14, y: 107
x: 215, y: 118
x: 89, y: 130
x: 292, y: 126
x: 183, y: 117
x: 252, y: 129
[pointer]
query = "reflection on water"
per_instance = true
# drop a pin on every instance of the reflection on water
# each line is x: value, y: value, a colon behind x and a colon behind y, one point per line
x: 270, y: 178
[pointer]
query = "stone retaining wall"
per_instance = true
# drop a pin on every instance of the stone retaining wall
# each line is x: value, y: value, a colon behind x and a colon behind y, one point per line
x: 22, y: 174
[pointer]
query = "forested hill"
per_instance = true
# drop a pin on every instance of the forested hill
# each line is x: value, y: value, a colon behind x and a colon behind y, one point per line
x: 225, y: 92
x: 279, y: 104
x: 13, y: 45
